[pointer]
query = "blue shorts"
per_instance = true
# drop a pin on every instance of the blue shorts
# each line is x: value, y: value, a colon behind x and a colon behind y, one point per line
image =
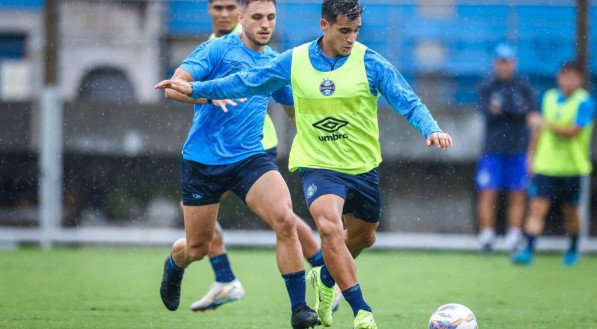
x: 565, y: 189
x: 502, y: 172
x: 273, y: 155
x: 204, y: 184
x: 361, y: 193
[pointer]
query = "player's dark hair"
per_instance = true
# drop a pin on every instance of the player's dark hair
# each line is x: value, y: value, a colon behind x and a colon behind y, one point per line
x: 246, y: 3
x: 331, y: 9
x: 210, y: 1
x: 572, y: 66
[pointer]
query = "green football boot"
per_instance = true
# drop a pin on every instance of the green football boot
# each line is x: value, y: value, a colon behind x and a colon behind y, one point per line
x: 324, y: 297
x: 364, y: 320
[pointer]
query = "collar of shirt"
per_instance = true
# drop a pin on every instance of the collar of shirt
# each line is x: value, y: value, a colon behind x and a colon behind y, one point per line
x: 321, y: 61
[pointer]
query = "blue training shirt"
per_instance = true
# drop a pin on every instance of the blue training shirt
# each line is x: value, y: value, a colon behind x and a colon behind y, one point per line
x: 383, y: 78
x: 216, y: 137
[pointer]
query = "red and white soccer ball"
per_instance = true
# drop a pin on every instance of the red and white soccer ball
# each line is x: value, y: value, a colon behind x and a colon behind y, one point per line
x: 453, y: 316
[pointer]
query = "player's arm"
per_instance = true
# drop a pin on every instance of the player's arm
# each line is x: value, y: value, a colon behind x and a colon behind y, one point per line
x: 169, y: 93
x: 483, y: 105
x: 289, y: 109
x: 195, y: 67
x: 284, y: 97
x: 585, y: 116
x: 566, y: 132
x: 247, y: 83
x: 387, y: 80
x: 532, y: 118
x: 181, y: 75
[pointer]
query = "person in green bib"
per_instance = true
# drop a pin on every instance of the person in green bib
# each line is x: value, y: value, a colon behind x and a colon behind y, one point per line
x: 336, y: 83
x: 227, y: 288
x: 560, y: 155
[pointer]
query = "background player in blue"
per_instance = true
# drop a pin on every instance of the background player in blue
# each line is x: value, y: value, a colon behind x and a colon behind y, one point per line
x: 226, y: 287
x: 505, y: 100
x: 223, y: 152
x: 330, y: 192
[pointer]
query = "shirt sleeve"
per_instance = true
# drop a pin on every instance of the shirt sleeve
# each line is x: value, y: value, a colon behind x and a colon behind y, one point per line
x: 530, y: 97
x: 484, y: 90
x: 255, y: 81
x: 390, y: 83
x: 200, y: 62
x: 284, y: 96
x: 586, y: 113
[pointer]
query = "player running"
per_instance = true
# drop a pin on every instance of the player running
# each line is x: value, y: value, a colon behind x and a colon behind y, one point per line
x: 224, y: 152
x: 227, y: 288
x: 336, y: 83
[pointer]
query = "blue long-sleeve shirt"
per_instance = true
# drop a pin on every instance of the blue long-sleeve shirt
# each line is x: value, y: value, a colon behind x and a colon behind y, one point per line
x: 382, y: 76
x: 218, y: 138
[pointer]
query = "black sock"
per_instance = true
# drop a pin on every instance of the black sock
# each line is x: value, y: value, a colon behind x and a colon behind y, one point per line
x: 573, y: 242
x: 531, y: 242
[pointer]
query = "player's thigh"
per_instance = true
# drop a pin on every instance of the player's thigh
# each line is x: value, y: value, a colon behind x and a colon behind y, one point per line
x: 325, y: 193
x: 269, y: 197
x: 200, y: 223
x: 516, y: 178
x: 326, y: 211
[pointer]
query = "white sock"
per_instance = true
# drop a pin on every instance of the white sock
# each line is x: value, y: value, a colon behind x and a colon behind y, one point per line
x: 513, y: 236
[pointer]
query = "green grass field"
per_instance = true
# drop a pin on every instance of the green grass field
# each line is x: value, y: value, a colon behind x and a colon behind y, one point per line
x: 118, y: 288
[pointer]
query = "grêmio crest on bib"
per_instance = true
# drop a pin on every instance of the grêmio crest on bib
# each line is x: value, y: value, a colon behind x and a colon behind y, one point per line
x: 327, y: 87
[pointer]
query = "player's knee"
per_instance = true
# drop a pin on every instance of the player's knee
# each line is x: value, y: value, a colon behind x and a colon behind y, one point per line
x: 285, y: 223
x: 218, y: 240
x: 329, y: 230
x: 198, y: 251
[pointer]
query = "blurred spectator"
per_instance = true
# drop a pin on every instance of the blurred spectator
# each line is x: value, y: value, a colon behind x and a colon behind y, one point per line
x: 560, y: 158
x: 505, y: 101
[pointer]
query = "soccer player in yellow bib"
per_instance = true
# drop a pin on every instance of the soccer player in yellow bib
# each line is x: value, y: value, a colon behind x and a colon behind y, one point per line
x: 227, y: 288
x: 336, y: 82
x: 560, y: 158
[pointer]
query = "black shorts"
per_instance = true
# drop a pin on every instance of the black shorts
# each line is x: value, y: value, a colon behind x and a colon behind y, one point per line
x: 565, y: 189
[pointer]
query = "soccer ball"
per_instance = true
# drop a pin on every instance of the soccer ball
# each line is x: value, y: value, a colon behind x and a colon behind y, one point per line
x: 453, y: 316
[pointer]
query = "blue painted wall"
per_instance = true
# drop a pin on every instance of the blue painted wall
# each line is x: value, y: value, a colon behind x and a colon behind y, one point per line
x: 21, y: 4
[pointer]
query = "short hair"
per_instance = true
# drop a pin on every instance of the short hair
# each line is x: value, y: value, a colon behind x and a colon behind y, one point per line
x: 572, y: 66
x: 210, y: 1
x: 331, y: 9
x: 246, y: 3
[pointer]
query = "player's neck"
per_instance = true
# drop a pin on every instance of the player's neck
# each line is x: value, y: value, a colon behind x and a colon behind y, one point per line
x: 327, y: 48
x: 250, y: 44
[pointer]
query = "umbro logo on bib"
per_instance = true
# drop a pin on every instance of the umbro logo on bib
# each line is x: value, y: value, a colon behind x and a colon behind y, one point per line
x: 327, y: 87
x: 330, y: 125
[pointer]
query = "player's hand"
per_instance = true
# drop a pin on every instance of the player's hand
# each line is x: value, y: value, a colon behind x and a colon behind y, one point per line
x: 221, y: 103
x: 535, y: 120
x: 180, y: 85
x: 441, y: 140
